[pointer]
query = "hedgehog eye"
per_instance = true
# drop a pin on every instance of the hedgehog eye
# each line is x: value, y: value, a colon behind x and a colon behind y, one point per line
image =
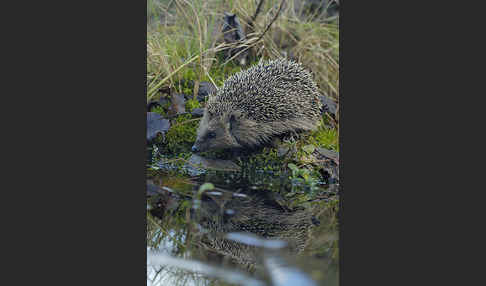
x: 211, y: 135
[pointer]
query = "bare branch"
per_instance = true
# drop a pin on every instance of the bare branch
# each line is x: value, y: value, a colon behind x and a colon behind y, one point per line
x: 273, y: 20
x: 256, y: 12
x: 253, y: 42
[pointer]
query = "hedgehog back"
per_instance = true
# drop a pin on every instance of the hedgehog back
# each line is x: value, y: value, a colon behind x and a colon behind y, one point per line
x: 270, y: 91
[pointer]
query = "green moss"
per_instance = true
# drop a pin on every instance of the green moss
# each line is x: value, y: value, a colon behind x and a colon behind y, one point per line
x: 158, y: 109
x: 181, y: 135
x: 191, y: 104
x: 263, y: 162
x: 325, y: 137
x: 189, y: 74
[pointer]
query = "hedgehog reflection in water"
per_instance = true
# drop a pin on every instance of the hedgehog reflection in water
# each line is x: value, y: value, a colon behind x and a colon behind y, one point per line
x: 253, y: 106
x: 256, y: 213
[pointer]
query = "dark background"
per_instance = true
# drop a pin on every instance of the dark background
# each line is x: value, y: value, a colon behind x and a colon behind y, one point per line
x: 75, y: 143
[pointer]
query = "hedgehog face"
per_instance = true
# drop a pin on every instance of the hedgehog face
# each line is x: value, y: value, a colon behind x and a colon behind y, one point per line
x: 214, y: 133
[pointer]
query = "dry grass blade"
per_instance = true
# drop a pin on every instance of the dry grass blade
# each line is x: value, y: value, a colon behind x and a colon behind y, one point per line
x: 152, y: 92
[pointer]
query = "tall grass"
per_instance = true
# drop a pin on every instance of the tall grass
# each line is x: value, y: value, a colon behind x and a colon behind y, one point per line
x: 184, y: 38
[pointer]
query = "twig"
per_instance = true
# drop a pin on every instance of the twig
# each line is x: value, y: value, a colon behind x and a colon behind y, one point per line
x: 211, y: 79
x: 184, y: 122
x: 253, y: 42
x: 256, y: 12
x: 332, y: 119
x: 273, y: 20
x: 251, y: 21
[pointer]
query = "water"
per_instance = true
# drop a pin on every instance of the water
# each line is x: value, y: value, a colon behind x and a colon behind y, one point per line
x: 253, y: 228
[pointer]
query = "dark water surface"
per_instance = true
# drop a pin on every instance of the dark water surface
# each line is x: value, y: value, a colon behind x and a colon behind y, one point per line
x: 251, y: 228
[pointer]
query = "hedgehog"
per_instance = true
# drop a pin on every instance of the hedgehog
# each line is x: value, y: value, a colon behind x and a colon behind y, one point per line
x: 270, y: 99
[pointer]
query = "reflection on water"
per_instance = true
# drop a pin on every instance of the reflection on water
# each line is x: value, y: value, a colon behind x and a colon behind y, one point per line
x: 244, y: 231
x: 159, y: 258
